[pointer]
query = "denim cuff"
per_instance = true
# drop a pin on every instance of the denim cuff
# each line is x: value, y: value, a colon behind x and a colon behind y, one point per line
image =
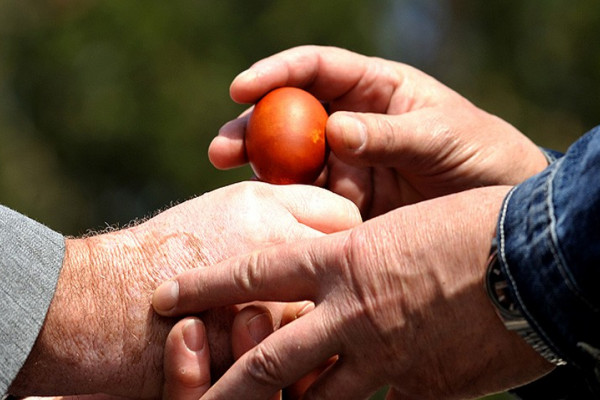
x: 523, y: 243
x: 548, y: 247
x: 551, y: 155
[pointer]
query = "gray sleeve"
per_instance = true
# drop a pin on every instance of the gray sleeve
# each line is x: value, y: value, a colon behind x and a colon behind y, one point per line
x: 31, y: 258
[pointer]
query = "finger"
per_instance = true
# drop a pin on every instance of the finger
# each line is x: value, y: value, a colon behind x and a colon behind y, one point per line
x: 293, y: 311
x: 351, y: 182
x: 227, y: 150
x: 187, y: 361
x: 298, y: 389
x: 251, y: 325
x: 327, y: 72
x: 343, y: 380
x: 321, y: 209
x: 290, y: 272
x: 287, y: 272
x: 347, y: 80
x: 281, y: 359
x: 389, y: 140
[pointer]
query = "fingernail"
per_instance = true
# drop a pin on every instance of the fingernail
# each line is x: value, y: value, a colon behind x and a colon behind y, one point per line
x: 354, y: 132
x: 193, y: 336
x: 166, y: 296
x: 306, y: 309
x: 260, y: 327
x: 248, y: 74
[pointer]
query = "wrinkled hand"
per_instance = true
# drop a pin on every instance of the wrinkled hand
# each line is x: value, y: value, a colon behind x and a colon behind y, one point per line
x: 101, y: 335
x: 399, y: 298
x: 397, y: 135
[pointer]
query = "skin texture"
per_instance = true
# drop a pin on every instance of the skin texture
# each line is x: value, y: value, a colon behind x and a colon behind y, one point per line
x: 101, y: 335
x: 186, y: 364
x: 406, y: 308
x: 397, y: 136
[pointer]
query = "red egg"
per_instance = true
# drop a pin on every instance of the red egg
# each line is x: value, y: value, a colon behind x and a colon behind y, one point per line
x: 285, y: 137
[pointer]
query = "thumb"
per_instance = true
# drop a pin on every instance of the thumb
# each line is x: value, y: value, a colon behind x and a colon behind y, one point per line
x: 318, y: 209
x: 186, y: 361
x: 367, y: 139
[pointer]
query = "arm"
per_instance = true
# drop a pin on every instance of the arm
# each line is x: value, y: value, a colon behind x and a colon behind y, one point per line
x: 100, y: 334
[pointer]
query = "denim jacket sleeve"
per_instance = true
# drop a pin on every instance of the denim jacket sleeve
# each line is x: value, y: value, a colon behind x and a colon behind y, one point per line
x: 549, y: 247
x: 30, y: 261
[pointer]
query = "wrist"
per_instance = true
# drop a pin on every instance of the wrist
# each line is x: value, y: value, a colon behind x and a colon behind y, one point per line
x: 498, y: 289
x: 97, y: 333
x: 122, y: 337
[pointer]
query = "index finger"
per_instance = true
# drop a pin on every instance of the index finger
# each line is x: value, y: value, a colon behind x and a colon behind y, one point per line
x: 328, y: 72
x: 349, y: 81
x: 287, y: 272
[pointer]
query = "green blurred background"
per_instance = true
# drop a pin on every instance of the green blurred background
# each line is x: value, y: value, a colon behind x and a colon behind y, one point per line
x: 107, y: 107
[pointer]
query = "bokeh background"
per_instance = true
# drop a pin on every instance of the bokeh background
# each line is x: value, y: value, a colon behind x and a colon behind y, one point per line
x: 107, y: 107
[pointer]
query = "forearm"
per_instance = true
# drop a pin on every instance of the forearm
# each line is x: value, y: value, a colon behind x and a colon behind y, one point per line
x: 83, y: 345
x: 100, y: 334
x: 30, y: 260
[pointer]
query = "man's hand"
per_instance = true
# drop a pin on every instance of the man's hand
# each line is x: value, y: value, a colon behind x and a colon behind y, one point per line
x: 399, y: 298
x: 101, y: 335
x: 397, y: 135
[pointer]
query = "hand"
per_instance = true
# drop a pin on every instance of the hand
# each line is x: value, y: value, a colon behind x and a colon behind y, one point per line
x: 397, y: 135
x: 100, y: 334
x: 399, y: 298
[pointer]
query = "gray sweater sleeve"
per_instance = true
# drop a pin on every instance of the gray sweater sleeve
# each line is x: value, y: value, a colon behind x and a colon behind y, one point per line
x: 31, y: 258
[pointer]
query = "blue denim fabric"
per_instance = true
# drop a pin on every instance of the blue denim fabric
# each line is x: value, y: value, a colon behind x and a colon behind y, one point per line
x: 549, y: 247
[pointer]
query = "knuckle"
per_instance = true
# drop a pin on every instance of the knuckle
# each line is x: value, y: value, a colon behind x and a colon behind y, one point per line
x: 246, y: 191
x: 264, y: 367
x: 362, y: 255
x: 250, y: 192
x: 356, y: 245
x: 388, y: 132
x: 248, y: 276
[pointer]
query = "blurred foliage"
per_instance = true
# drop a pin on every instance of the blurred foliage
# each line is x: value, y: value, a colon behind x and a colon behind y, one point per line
x: 107, y: 107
